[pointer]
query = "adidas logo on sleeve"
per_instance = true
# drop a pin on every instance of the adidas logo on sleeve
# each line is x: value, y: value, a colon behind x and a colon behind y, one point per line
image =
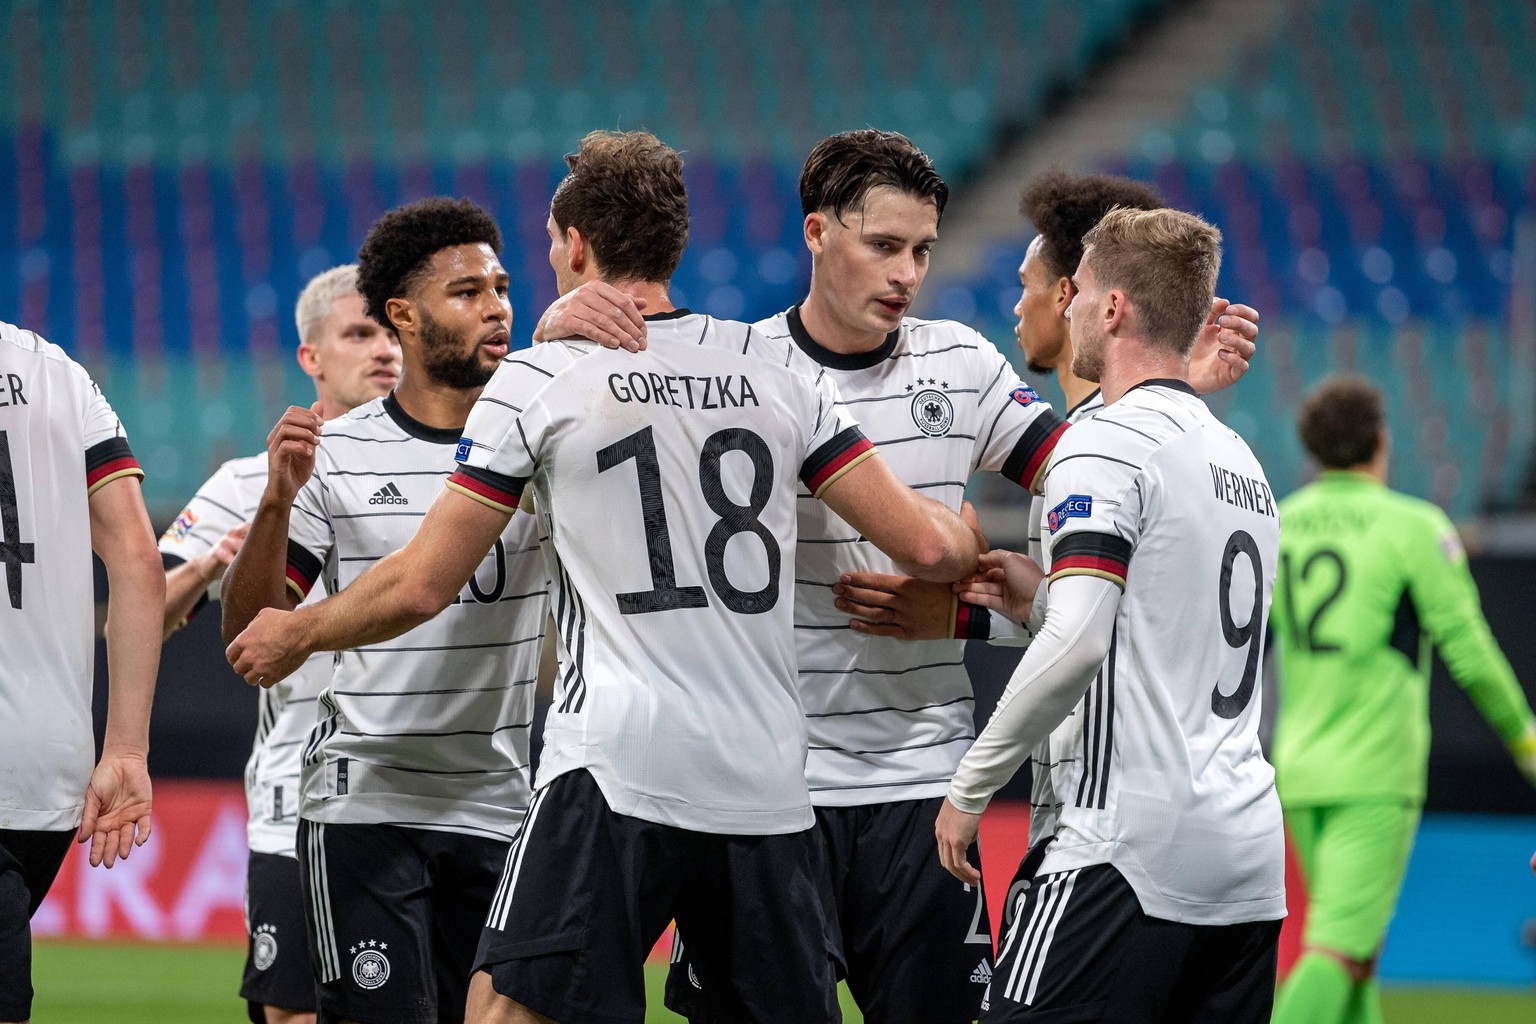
x: 389, y: 494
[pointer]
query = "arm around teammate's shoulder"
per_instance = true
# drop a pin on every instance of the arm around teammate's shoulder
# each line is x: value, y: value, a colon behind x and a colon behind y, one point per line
x: 921, y: 535
x: 118, y: 796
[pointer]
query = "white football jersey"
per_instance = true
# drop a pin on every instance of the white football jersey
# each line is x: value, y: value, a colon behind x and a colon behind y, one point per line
x: 430, y: 729
x: 59, y: 442
x: 890, y: 719
x: 286, y: 711
x: 1044, y: 804
x: 666, y: 482
x: 1159, y: 771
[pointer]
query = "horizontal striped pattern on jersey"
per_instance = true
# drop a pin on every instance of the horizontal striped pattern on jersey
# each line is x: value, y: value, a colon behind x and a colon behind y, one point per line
x: 889, y: 719
x: 285, y: 712
x: 431, y: 729
x: 59, y: 442
x: 1159, y: 770
x: 667, y: 482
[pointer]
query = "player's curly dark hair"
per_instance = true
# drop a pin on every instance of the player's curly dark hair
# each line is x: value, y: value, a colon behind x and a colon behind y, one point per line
x: 400, y: 244
x: 1341, y: 421
x: 843, y: 168
x: 1064, y: 207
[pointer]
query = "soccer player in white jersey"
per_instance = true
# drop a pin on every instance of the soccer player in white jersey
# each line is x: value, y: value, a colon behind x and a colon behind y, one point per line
x: 889, y: 720
x: 416, y: 776
x: 1161, y: 895
x: 672, y: 783
x: 69, y: 485
x: 353, y: 359
x: 1063, y: 208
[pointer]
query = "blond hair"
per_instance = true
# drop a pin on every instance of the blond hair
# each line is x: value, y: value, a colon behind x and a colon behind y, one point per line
x: 1166, y: 262
x: 315, y: 300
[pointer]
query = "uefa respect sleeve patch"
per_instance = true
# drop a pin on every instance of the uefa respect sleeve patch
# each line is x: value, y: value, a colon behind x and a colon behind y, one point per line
x: 1025, y: 395
x: 1076, y: 506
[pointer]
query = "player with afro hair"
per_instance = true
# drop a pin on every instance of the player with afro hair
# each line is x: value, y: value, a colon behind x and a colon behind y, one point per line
x: 1063, y: 208
x: 400, y: 246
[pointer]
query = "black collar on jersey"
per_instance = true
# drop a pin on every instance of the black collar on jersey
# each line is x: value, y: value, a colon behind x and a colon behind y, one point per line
x: 416, y: 428
x: 1086, y: 399
x: 1166, y: 382
x: 839, y: 360
x: 676, y: 314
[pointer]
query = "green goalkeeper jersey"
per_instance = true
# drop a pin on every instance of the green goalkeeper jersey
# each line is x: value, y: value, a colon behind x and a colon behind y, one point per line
x: 1368, y: 578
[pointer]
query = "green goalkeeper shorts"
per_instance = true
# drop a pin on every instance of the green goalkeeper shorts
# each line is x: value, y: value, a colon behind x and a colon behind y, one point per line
x: 1353, y: 856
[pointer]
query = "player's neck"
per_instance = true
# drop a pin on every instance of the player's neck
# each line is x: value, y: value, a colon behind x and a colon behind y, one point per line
x: 833, y: 334
x: 1074, y: 388
x: 657, y: 295
x: 432, y: 404
x: 1129, y: 363
x: 1376, y: 469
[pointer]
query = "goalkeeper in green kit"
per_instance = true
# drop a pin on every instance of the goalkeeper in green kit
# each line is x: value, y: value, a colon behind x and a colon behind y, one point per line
x: 1368, y: 578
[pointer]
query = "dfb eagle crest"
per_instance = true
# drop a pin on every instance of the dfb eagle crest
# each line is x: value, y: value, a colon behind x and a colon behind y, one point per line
x: 933, y: 412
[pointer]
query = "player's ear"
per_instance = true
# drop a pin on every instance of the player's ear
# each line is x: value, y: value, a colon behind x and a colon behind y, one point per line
x: 1115, y: 310
x: 816, y: 232
x: 402, y: 313
x: 309, y: 358
x: 577, y: 251
x: 1064, y: 294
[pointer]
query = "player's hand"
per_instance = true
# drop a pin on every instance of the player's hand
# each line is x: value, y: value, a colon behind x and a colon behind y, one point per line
x: 1523, y: 750
x: 598, y: 312
x: 215, y: 562
x: 267, y: 651
x: 117, y: 802
x: 1224, y: 347
x: 896, y: 606
x: 956, y: 832
x: 1005, y: 581
x: 291, y: 448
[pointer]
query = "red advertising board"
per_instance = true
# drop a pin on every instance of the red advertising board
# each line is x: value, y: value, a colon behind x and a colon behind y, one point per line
x: 187, y: 884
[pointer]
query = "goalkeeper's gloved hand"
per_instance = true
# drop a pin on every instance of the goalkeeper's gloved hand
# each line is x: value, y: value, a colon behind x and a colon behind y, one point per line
x: 1523, y: 750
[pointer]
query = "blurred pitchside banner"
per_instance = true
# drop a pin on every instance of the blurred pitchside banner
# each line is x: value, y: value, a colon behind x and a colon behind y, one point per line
x: 186, y: 884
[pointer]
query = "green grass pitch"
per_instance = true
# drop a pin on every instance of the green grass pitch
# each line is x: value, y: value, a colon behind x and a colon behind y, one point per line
x: 87, y: 983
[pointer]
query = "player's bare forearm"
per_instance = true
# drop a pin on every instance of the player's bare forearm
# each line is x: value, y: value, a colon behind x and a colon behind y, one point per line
x: 903, y: 607
x: 121, y: 535
x: 379, y: 605
x: 258, y: 577
x: 395, y: 596
x: 401, y: 591
x: 185, y: 586
x: 923, y: 537
x: 959, y: 545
